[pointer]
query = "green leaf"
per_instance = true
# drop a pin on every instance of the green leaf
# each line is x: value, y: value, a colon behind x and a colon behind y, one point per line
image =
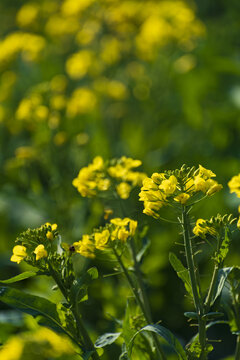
x: 167, y: 336
x: 181, y: 272
x: 222, y: 277
x: 222, y: 253
x: 191, y: 315
x: 143, y: 250
x: 20, y: 277
x: 212, y: 315
x: 124, y: 353
x: 79, y: 287
x: 45, y: 310
x: 106, y: 339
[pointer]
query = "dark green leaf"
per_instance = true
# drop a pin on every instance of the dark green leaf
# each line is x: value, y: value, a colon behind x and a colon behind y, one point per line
x: 46, y: 311
x: 212, y: 315
x: 86, y: 355
x: 181, y: 272
x: 143, y: 250
x: 167, y: 336
x: 79, y: 287
x: 106, y: 339
x: 222, y: 253
x: 23, y: 276
x: 222, y: 276
x: 191, y: 315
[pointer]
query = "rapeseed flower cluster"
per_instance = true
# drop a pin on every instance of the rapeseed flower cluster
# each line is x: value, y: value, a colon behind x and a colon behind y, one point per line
x: 214, y: 226
x: 176, y: 187
x: 116, y: 233
x: 118, y: 175
x: 34, y: 245
x: 234, y: 186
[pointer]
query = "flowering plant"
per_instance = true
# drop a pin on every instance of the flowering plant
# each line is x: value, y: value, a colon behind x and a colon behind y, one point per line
x: 122, y: 241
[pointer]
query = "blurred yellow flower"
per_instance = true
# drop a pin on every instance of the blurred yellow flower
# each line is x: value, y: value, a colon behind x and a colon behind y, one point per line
x: 78, y: 64
x: 234, y: 185
x: 123, y: 190
x: 27, y: 15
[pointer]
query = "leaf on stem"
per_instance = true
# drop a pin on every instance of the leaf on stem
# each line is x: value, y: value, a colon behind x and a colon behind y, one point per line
x: 221, y: 278
x: 79, y: 287
x: 44, y: 310
x: 20, y: 277
x: 181, y: 271
x: 143, y: 250
x: 106, y: 339
x: 168, y: 336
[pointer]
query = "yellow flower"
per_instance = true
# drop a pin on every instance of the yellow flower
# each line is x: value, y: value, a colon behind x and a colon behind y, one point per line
x: 169, y: 185
x: 124, y: 228
x: 238, y: 223
x: 120, y: 222
x: 85, y: 247
x: 123, y: 190
x: 54, y: 227
x: 199, y: 230
x: 40, y: 252
x: 200, y: 184
x: 182, y: 198
x: 19, y: 253
x: 150, y: 183
x: 49, y: 235
x: 205, y: 173
x: 214, y: 188
x: 158, y: 177
x: 123, y: 234
x: 151, y: 209
x: 13, y: 349
x: 101, y: 239
x: 234, y: 185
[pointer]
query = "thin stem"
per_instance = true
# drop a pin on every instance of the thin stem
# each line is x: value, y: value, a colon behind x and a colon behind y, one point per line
x: 140, y: 281
x: 142, y: 304
x: 195, y: 282
x: 87, y: 340
x: 237, y: 353
x: 88, y: 345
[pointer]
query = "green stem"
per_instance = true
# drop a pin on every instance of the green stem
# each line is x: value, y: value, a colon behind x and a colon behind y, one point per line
x: 140, y: 282
x: 88, y: 345
x: 193, y: 271
x: 237, y: 353
x: 87, y: 340
x: 145, y: 309
x: 236, y: 311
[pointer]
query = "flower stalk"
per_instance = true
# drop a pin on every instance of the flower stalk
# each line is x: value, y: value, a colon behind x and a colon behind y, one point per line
x: 193, y: 270
x: 85, y: 340
x: 144, y: 306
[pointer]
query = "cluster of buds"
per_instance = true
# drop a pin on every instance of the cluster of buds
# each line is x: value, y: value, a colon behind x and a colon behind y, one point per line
x: 35, y: 244
x: 175, y: 187
x: 118, y: 231
x: 214, y: 226
x: 117, y: 175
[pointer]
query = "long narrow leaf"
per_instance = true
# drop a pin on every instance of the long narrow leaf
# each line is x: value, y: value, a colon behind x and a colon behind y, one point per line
x: 36, y: 306
x: 20, y: 277
x: 181, y: 271
x: 168, y: 336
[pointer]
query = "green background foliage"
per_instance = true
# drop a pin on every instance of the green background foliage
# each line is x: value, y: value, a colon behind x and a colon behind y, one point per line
x: 154, y: 80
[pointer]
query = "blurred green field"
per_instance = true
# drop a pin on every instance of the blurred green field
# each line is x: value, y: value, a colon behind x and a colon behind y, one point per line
x: 154, y: 80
